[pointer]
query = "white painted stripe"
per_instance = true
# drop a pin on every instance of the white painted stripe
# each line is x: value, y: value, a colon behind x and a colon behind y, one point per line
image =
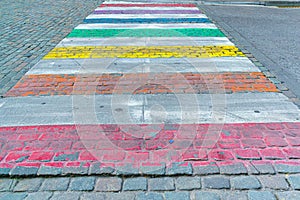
x: 174, y: 65
x: 138, y: 16
x: 149, y: 41
x: 140, y: 109
x: 138, y: 26
x: 147, y: 8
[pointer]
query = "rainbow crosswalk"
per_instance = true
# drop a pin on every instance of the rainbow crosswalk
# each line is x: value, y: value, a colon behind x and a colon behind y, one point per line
x: 153, y: 79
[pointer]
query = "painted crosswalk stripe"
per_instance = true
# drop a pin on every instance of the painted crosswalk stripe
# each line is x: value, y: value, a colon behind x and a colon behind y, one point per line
x: 240, y: 108
x: 148, y: 26
x: 148, y: 20
x: 143, y: 52
x: 145, y: 41
x: 145, y: 16
x: 145, y: 11
x: 192, y: 32
x: 113, y: 65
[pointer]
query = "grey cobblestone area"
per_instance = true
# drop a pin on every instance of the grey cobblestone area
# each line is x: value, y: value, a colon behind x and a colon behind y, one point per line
x: 172, y: 187
x: 31, y: 28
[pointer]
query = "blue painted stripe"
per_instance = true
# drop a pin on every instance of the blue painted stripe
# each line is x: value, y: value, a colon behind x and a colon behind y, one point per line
x: 148, y: 20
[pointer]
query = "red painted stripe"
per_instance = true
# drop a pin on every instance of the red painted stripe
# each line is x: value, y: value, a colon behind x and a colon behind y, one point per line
x: 148, y: 5
x: 70, y: 145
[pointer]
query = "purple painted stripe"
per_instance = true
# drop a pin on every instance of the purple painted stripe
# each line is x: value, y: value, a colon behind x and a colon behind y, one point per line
x: 147, y: 12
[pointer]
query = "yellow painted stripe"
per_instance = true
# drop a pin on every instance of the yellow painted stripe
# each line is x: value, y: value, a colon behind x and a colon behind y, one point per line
x: 143, y: 52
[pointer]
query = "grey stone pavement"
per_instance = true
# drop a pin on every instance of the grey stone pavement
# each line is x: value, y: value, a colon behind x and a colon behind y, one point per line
x: 29, y: 29
x: 270, y: 34
x: 262, y: 187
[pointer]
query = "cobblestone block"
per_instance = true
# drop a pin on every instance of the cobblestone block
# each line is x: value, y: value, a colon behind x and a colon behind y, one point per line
x: 290, y: 195
x: 6, y: 184
x: 13, y: 196
x: 131, y: 184
x: 31, y: 184
x: 188, y: 183
x: 110, y: 184
x: 65, y: 196
x: 126, y: 170
x: 234, y: 169
x: 199, y: 195
x: 265, y: 195
x: 234, y: 195
x: 294, y: 181
x: 264, y: 168
x: 82, y: 184
x: 157, y: 169
x: 93, y: 196
x: 44, y: 170
x: 206, y: 170
x: 180, y: 168
x: 149, y: 196
x: 98, y: 169
x: 24, y: 171
x: 274, y: 182
x: 177, y: 196
x: 245, y: 183
x: 161, y: 184
x: 55, y: 184
x: 120, y: 196
x: 286, y: 168
x: 216, y: 183
x: 39, y: 196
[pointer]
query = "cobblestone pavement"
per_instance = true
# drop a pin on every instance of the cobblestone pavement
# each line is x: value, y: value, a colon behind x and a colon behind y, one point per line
x: 177, y: 113
x: 30, y: 29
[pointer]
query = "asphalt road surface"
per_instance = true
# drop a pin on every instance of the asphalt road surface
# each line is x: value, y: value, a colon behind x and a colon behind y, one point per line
x: 271, y: 34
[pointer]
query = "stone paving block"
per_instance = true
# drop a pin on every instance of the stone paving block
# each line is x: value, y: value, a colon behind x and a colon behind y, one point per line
x: 180, y: 168
x: 274, y: 182
x: 234, y: 195
x: 285, y: 168
x: 149, y: 196
x: 109, y: 184
x: 199, y: 195
x: 13, y: 196
x: 289, y: 195
x: 126, y: 170
x: 75, y: 170
x: 188, y: 183
x: 265, y: 195
x: 120, y: 196
x: 44, y: 170
x: 82, y: 184
x: 4, y: 171
x: 159, y: 169
x: 55, y: 184
x: 39, y: 196
x: 294, y: 181
x: 131, y: 184
x: 98, y: 169
x: 177, y: 195
x: 6, y: 184
x: 65, y: 196
x: 24, y: 171
x: 93, y: 196
x: 264, y: 168
x: 234, y: 169
x: 245, y: 183
x: 161, y: 184
x: 216, y: 182
x: 30, y: 184
x: 206, y: 170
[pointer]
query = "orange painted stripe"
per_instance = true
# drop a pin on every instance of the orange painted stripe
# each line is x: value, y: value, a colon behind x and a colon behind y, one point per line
x: 147, y: 83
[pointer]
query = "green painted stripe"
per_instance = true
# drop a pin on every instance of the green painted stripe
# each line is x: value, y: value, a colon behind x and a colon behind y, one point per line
x: 190, y: 32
